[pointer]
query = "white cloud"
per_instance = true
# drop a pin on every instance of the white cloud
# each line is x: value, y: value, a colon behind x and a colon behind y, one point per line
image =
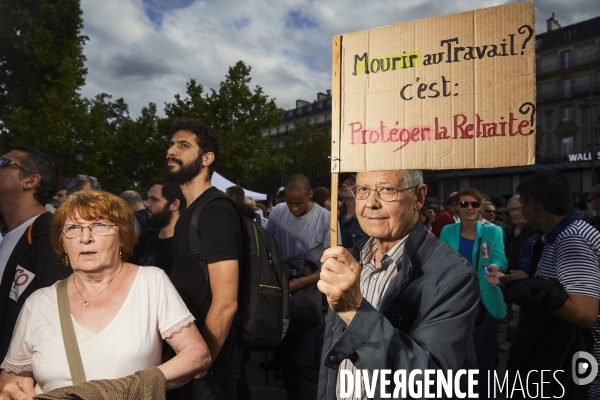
x: 287, y: 43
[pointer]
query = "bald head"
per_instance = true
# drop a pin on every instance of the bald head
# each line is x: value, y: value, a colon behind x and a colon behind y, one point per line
x: 298, y: 183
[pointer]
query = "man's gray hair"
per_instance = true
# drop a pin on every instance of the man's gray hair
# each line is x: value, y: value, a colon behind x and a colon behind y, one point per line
x: 131, y: 197
x: 489, y: 203
x: 79, y: 182
x: 515, y: 197
x: 413, y: 177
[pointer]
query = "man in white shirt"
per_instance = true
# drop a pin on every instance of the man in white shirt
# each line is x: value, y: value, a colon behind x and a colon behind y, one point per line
x: 28, y: 180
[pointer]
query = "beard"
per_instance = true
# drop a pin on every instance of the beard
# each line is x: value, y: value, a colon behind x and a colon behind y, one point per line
x: 160, y: 219
x: 186, y: 172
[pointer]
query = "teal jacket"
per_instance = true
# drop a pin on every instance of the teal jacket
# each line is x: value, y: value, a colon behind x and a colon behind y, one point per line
x: 492, y: 297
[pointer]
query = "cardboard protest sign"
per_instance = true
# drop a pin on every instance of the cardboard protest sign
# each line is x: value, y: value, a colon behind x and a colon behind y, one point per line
x: 456, y: 91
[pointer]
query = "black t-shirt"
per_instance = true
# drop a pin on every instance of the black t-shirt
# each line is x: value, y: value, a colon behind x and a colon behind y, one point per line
x: 513, y: 245
x: 150, y: 250
x: 220, y: 238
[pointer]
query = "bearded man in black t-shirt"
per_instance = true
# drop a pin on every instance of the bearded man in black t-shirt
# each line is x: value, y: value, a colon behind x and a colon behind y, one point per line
x: 162, y: 209
x: 191, y: 158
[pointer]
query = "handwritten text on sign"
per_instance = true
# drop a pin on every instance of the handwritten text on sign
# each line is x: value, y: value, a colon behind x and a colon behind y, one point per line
x: 461, y: 128
x: 415, y: 89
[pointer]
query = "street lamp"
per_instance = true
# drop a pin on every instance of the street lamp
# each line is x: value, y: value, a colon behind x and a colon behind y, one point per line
x: 79, y: 157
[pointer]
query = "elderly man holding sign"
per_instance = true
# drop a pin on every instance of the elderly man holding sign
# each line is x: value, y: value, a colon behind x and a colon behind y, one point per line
x: 408, y: 305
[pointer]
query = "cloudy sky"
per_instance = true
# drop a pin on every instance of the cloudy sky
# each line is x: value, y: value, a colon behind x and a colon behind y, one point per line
x: 146, y: 50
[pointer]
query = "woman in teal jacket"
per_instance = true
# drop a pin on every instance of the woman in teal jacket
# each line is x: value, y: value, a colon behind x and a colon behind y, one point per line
x: 481, y: 245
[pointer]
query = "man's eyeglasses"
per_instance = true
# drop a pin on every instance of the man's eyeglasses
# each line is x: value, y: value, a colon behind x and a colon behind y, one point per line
x: 4, y: 162
x: 97, y: 228
x: 385, y: 193
x: 473, y: 204
x: 516, y: 209
x: 490, y: 211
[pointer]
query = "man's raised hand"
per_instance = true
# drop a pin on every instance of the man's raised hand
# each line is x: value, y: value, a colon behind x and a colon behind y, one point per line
x: 340, y: 282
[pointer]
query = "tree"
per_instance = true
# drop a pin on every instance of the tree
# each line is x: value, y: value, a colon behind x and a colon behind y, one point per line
x: 41, y: 68
x: 309, y: 148
x: 238, y: 116
x: 122, y: 153
x: 141, y: 151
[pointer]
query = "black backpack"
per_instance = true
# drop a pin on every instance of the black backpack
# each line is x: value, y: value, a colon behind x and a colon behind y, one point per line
x: 264, y: 291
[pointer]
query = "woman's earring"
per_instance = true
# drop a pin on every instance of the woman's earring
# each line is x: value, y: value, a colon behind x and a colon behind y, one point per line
x: 121, y: 252
x: 66, y: 259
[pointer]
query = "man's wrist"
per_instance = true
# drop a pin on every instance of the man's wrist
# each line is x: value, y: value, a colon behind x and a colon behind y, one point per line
x: 348, y: 316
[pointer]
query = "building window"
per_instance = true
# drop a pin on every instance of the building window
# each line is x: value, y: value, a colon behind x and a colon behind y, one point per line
x: 566, y: 59
x: 450, y: 185
x: 505, y: 185
x: 568, y: 36
x: 566, y: 146
x: 269, y: 132
x: 278, y: 131
x: 575, y: 181
x: 538, y: 43
x: 567, y: 114
x: 566, y: 87
x: 287, y: 128
x: 327, y: 117
x: 477, y: 184
x: 309, y: 108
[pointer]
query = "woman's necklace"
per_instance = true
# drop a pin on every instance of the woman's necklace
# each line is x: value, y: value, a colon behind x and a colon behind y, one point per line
x: 86, y: 302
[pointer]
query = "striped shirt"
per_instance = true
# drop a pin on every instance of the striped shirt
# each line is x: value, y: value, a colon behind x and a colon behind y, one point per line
x: 374, y: 281
x: 572, y: 255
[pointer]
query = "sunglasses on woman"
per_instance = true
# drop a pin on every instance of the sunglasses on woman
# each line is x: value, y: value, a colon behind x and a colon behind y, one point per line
x: 473, y: 204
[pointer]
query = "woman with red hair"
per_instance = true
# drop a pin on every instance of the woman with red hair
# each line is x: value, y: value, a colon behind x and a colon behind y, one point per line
x: 120, y: 312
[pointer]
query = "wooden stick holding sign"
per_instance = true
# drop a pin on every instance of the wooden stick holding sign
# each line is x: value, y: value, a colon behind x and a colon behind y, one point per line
x: 335, y: 135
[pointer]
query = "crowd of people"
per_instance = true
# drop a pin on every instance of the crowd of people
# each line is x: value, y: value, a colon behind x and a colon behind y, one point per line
x: 102, y: 287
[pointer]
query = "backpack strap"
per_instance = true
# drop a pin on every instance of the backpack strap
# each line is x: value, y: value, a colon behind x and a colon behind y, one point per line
x: 194, y: 238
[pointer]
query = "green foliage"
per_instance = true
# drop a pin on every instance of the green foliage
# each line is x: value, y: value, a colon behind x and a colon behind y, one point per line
x: 237, y: 114
x: 122, y: 153
x: 309, y: 148
x: 41, y: 68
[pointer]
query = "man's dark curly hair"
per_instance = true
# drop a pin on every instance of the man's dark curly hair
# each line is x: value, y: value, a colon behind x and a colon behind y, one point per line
x: 170, y: 191
x: 206, y: 138
x: 39, y: 163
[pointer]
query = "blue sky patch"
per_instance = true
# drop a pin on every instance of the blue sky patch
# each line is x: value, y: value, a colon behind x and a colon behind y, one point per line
x: 295, y: 19
x: 241, y: 23
x: 155, y: 9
